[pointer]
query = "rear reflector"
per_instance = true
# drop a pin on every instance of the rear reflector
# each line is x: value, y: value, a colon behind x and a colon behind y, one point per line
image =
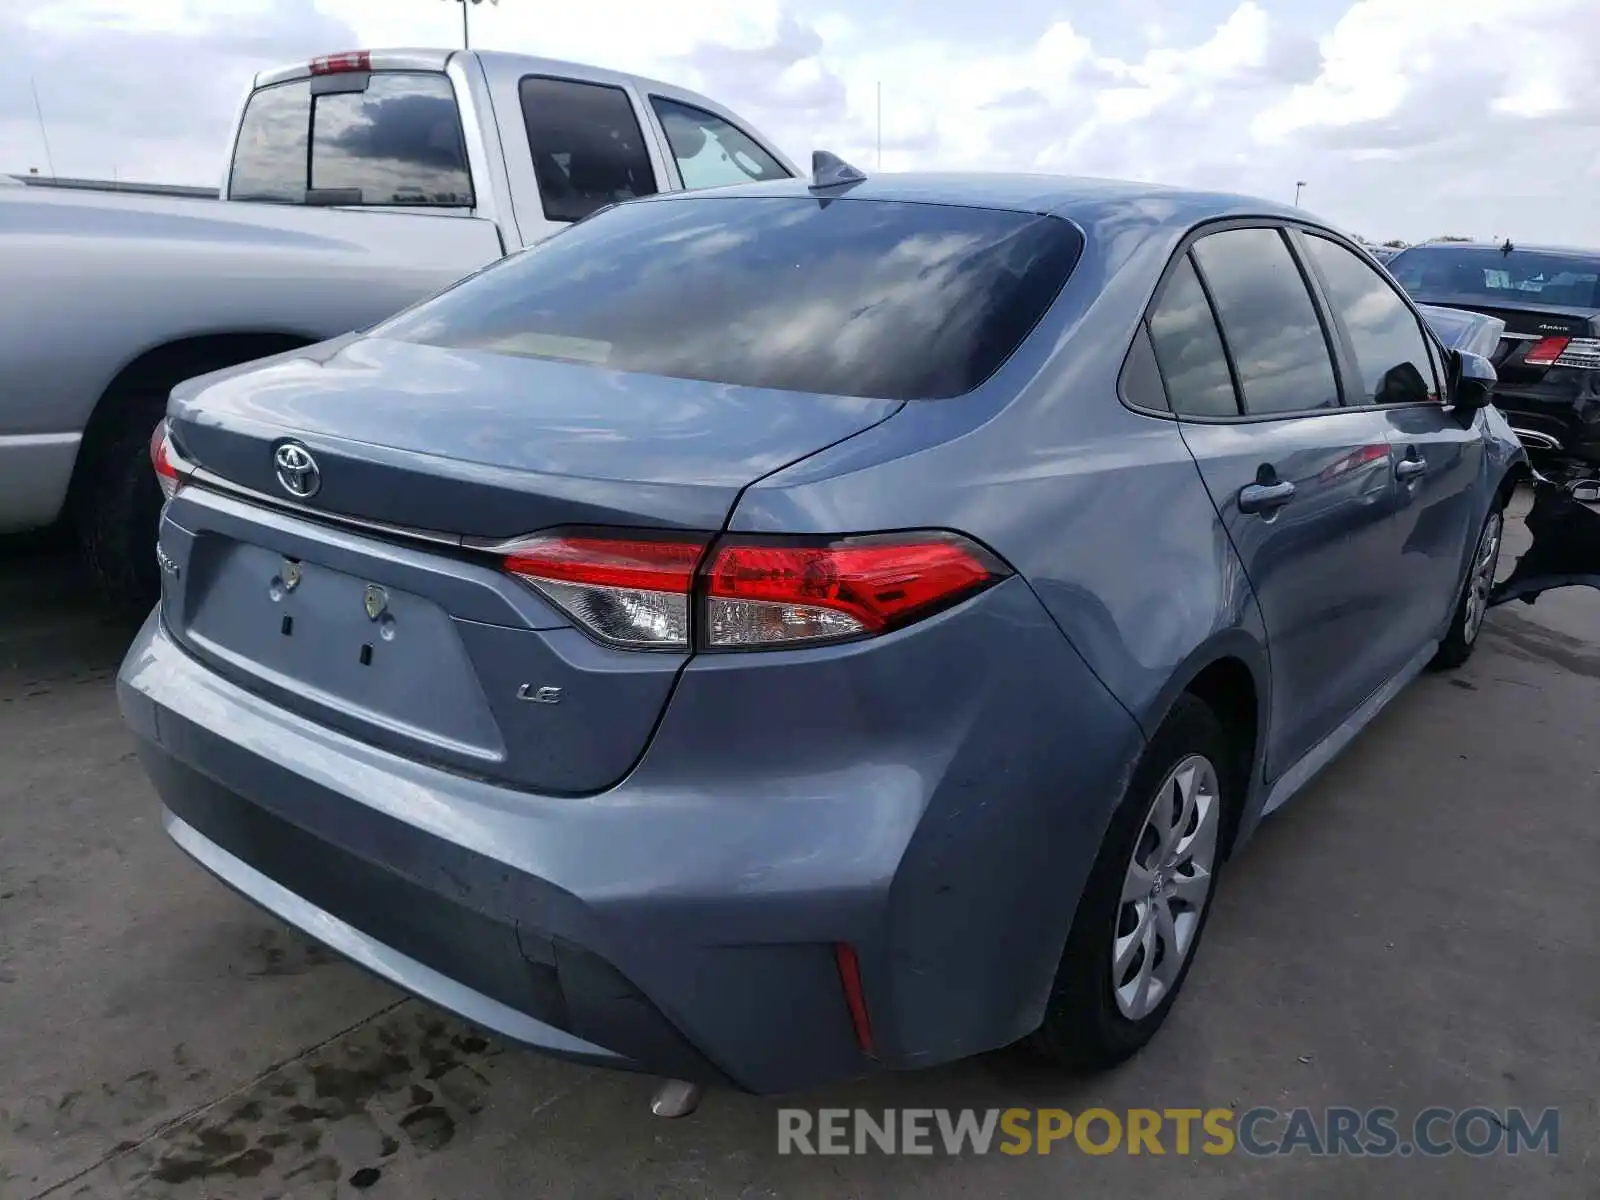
x: 631, y: 589
x: 165, y: 461
x: 855, y: 998
x: 336, y: 64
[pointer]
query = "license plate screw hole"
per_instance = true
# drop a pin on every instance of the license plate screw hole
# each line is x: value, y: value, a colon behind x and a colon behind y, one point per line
x: 366, y: 654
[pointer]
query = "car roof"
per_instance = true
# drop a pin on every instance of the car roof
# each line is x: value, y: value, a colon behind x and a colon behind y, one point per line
x: 1083, y: 199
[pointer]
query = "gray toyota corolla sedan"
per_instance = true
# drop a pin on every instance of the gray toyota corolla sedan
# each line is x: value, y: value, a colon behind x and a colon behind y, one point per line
x: 778, y: 633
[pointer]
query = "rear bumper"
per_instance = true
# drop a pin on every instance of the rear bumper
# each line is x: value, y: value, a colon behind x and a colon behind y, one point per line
x: 1554, y: 421
x: 684, y: 922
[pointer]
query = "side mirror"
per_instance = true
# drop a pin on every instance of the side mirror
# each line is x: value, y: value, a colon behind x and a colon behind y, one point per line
x: 1472, y: 380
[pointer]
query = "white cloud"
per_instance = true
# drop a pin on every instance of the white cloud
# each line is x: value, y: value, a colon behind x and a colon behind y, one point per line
x: 1405, y: 117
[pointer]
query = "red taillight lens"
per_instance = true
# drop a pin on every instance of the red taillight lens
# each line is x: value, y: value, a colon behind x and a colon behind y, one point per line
x: 631, y: 590
x: 1545, y: 351
x: 635, y: 590
x: 774, y: 592
x: 1583, y: 353
x: 161, y: 458
x: 335, y: 64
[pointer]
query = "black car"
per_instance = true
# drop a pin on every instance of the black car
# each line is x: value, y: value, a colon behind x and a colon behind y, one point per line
x: 1549, y: 355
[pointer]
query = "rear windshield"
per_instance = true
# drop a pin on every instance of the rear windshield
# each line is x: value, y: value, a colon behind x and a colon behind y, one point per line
x: 1493, y: 277
x: 848, y: 297
x: 396, y: 143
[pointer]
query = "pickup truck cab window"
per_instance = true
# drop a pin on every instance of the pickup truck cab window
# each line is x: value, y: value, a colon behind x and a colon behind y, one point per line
x: 710, y: 151
x: 397, y: 142
x: 588, y: 149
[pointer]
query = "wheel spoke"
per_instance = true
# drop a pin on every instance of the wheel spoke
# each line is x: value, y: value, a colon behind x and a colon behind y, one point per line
x: 1192, y: 889
x: 1137, y: 883
x: 1126, y: 947
x: 1165, y: 929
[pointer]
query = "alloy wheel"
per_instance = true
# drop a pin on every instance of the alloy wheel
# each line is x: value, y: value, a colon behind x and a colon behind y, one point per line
x: 1166, y: 887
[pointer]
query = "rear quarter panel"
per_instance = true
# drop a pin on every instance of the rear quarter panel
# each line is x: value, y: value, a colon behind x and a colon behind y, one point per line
x: 1099, y: 508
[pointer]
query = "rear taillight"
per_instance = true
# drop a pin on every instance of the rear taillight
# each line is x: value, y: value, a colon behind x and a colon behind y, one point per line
x: 166, y: 462
x: 1564, y: 352
x: 632, y: 591
x: 750, y: 593
x: 775, y: 592
x: 336, y: 64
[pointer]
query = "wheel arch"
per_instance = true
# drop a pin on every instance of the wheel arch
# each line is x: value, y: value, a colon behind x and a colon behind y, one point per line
x: 1230, y: 675
x: 164, y: 366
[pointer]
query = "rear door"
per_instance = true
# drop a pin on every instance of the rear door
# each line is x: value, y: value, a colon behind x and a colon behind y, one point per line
x: 1437, y: 453
x: 1303, y: 485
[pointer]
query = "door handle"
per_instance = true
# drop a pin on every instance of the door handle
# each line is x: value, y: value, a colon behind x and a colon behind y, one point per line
x: 1410, y: 468
x: 1265, y: 497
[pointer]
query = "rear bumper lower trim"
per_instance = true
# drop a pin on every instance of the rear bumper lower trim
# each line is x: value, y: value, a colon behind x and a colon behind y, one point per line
x: 381, y: 960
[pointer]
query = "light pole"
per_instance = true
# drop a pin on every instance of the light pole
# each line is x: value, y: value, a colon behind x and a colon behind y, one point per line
x: 1298, y: 185
x: 466, y: 32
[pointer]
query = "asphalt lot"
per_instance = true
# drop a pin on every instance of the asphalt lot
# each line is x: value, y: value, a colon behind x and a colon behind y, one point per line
x: 1422, y: 927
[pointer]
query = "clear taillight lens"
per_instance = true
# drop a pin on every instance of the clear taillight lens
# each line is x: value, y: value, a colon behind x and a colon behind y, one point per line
x: 752, y: 593
x: 165, y: 461
x: 632, y: 591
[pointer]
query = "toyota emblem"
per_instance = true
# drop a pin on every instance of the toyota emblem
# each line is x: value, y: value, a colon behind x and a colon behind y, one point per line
x: 297, y: 470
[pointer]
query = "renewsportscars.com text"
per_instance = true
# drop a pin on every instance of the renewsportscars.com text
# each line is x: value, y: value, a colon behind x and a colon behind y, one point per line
x: 1261, y: 1131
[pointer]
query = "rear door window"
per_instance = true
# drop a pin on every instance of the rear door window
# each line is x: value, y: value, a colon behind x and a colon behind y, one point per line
x: 1386, y: 335
x: 711, y: 152
x: 1188, y: 348
x: 398, y: 143
x: 1269, y: 320
x: 848, y: 297
x: 588, y: 150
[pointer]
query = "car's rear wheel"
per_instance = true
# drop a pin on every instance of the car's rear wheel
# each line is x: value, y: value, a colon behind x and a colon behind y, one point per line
x: 1473, y: 603
x: 1144, y: 909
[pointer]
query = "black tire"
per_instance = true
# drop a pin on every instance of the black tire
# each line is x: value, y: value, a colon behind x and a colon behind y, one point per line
x: 1083, y: 1028
x: 117, y: 506
x: 1465, y: 624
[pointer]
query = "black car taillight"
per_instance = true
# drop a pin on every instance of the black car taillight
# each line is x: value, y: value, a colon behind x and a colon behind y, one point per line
x: 1564, y: 352
x: 750, y: 593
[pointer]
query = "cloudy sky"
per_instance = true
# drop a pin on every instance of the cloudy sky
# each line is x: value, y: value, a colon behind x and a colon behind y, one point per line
x: 1405, y: 118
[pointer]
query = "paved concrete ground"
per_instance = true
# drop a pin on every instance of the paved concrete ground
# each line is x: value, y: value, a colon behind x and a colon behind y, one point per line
x: 1419, y: 928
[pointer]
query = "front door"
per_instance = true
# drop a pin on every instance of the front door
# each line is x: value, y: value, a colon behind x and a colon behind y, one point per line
x: 1437, y: 453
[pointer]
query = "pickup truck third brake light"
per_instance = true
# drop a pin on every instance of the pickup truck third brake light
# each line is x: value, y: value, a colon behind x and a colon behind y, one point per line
x: 755, y: 593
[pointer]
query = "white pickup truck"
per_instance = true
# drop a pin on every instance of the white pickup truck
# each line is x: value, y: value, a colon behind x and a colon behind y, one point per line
x: 356, y: 185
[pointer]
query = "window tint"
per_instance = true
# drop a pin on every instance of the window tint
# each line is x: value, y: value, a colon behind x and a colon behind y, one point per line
x: 399, y: 142
x: 711, y: 152
x: 588, y: 151
x: 1277, y: 342
x: 1396, y: 367
x: 269, y: 162
x: 1141, y: 379
x: 1189, y: 350
x: 849, y: 297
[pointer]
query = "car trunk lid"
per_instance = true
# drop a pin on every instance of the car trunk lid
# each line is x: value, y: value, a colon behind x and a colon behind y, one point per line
x: 366, y: 605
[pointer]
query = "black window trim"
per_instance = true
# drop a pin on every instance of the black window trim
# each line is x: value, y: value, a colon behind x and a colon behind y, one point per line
x: 313, y: 95
x: 671, y: 156
x: 1431, y: 343
x: 640, y: 119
